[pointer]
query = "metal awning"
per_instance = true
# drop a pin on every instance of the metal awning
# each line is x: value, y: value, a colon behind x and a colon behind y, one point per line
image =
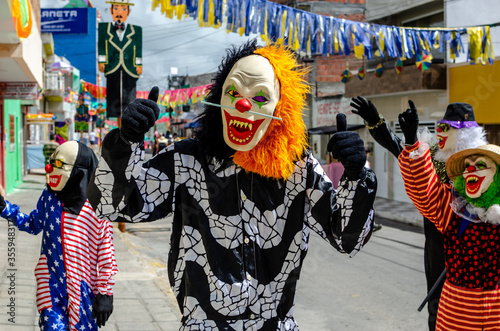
x: 331, y: 129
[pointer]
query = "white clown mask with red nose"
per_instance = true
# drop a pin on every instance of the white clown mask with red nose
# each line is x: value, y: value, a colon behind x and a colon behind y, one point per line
x: 479, y: 174
x: 446, y: 136
x: 61, y: 165
x: 249, y: 90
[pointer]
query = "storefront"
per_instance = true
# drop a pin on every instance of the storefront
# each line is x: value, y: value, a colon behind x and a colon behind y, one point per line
x: 22, y: 76
x: 16, y: 100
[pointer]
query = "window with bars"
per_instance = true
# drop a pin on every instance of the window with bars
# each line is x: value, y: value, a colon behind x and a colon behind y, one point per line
x: 431, y: 126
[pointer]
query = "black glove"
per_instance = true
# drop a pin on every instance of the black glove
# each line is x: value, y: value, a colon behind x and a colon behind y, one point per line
x: 102, y: 307
x: 408, y: 121
x: 348, y: 148
x: 366, y: 110
x: 139, y: 117
x: 2, y: 203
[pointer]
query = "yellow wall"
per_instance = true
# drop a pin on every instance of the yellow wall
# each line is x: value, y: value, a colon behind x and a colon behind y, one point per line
x: 479, y: 86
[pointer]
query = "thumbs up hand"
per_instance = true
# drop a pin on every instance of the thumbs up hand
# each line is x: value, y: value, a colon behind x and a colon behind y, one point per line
x: 139, y: 116
x: 348, y: 148
x: 408, y: 121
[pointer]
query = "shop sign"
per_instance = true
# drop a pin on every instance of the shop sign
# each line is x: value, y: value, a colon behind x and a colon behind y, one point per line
x: 12, y: 133
x: 19, y: 91
x: 327, y: 110
x: 64, y: 20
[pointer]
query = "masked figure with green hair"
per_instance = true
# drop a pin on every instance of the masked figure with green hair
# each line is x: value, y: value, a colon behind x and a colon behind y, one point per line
x: 467, y: 212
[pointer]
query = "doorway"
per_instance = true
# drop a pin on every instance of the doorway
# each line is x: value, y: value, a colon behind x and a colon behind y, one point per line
x: 2, y: 146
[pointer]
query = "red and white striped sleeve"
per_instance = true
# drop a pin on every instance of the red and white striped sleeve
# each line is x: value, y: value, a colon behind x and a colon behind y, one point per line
x: 42, y: 274
x: 431, y: 197
x: 106, y: 262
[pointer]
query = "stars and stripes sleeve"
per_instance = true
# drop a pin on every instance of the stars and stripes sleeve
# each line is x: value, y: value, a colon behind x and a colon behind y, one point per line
x: 106, y: 262
x: 428, y: 194
x: 31, y: 223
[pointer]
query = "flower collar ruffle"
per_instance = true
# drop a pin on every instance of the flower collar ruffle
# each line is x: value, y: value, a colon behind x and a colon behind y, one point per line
x: 473, y: 213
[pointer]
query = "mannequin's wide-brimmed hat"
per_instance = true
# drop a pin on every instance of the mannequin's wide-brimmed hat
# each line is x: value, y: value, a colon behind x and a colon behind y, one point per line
x: 120, y: 2
x: 455, y: 164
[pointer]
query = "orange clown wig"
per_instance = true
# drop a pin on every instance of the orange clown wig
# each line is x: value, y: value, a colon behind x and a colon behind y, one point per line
x: 285, y: 141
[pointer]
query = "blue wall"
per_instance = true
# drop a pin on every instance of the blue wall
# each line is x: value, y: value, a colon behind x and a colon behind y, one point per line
x: 81, y: 49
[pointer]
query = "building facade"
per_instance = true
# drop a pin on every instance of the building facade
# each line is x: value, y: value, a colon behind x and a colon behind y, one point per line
x: 21, y: 78
x: 447, y: 80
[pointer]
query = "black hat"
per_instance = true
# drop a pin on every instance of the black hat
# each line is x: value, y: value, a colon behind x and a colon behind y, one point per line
x: 459, y: 115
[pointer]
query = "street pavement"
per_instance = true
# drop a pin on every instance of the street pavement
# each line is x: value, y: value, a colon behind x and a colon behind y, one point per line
x: 142, y: 296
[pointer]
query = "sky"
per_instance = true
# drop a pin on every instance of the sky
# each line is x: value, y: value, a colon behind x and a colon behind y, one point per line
x: 170, y: 43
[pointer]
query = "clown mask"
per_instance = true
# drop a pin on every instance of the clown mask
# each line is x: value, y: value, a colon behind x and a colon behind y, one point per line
x: 478, y: 174
x: 446, y: 136
x: 61, y: 165
x: 250, y: 86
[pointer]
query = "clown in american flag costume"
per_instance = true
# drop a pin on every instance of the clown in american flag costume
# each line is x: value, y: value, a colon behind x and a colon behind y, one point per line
x: 77, y: 261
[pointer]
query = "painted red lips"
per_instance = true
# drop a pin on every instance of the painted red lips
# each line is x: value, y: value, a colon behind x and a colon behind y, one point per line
x: 241, y: 130
x: 54, y: 180
x: 473, y: 184
x: 441, y: 141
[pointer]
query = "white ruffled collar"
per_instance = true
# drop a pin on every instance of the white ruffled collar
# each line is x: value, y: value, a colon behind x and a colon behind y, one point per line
x: 475, y: 214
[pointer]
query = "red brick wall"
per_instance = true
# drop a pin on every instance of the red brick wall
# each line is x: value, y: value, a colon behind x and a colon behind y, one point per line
x: 329, y: 69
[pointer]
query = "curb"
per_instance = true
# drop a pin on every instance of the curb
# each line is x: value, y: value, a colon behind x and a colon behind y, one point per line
x: 400, y: 218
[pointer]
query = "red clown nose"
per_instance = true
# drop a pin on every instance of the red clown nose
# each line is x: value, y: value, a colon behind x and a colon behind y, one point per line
x: 243, y: 105
x: 49, y: 168
x: 471, y: 169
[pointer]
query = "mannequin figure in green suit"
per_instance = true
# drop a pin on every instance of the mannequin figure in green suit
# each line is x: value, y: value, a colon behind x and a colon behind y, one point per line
x: 120, y: 57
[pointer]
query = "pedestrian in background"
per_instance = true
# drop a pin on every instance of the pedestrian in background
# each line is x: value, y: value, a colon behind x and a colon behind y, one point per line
x: 50, y: 147
x: 162, y: 143
x: 82, y: 117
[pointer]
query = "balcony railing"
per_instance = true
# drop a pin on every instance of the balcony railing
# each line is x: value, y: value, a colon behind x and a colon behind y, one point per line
x: 54, y: 86
x: 54, y: 81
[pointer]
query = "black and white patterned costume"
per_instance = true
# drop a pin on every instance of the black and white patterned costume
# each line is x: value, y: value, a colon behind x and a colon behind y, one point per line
x: 238, y: 239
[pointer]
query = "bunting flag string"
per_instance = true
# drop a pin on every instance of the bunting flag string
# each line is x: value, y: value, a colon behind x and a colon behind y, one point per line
x: 97, y: 92
x: 317, y: 34
x: 398, y: 66
x: 181, y: 97
x: 379, y: 70
x: 169, y: 98
x: 361, y: 72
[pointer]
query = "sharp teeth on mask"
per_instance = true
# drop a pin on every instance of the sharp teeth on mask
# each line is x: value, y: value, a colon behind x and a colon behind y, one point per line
x: 472, y: 180
x: 240, y: 124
